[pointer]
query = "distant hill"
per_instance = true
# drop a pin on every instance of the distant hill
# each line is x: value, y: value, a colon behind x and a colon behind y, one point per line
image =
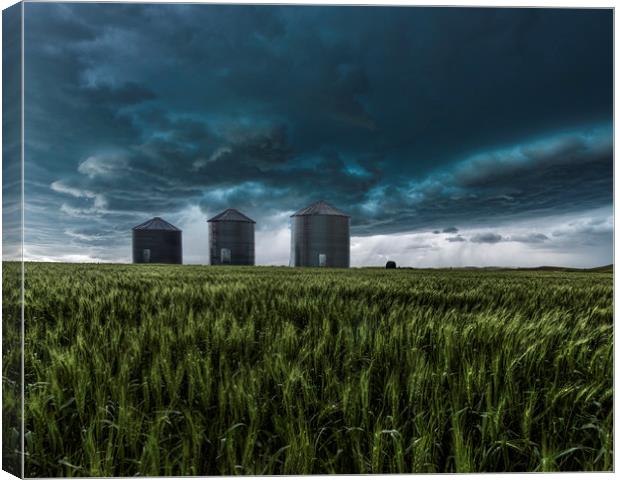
x: 543, y: 268
x: 603, y: 269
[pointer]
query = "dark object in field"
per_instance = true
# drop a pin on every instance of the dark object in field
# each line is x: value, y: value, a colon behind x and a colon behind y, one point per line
x: 231, y: 238
x: 320, y: 237
x: 157, y: 241
x: 390, y: 264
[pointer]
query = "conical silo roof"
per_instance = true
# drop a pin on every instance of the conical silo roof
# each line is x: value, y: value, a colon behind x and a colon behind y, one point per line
x: 319, y: 208
x: 156, y: 223
x: 231, y: 215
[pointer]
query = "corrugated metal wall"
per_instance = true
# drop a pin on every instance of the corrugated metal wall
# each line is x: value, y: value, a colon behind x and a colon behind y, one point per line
x: 157, y: 246
x: 237, y: 237
x: 313, y: 236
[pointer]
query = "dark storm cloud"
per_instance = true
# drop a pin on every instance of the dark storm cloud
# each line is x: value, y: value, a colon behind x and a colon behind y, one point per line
x: 492, y: 237
x: 530, y: 238
x: 406, y: 118
x: 489, y: 237
x: 456, y: 238
x: 117, y: 96
x: 563, y: 173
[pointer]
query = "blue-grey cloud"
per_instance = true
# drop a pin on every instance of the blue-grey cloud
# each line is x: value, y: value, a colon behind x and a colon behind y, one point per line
x: 529, y: 238
x: 489, y: 237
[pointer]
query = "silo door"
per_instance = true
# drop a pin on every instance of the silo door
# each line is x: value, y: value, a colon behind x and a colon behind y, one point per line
x: 225, y: 256
x: 322, y: 260
x: 146, y: 255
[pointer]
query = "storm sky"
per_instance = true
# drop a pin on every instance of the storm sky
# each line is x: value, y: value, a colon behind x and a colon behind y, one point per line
x: 452, y: 136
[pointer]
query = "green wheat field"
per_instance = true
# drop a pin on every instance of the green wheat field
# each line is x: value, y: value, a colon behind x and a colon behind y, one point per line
x: 197, y: 370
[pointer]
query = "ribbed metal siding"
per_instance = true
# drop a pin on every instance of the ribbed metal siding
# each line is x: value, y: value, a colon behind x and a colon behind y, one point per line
x: 238, y: 237
x: 313, y: 235
x: 166, y: 246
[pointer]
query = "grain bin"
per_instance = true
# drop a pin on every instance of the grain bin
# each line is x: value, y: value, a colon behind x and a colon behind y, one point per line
x: 320, y: 237
x: 231, y: 238
x: 157, y: 241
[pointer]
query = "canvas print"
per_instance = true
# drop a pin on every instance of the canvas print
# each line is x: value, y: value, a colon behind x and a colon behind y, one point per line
x: 302, y: 239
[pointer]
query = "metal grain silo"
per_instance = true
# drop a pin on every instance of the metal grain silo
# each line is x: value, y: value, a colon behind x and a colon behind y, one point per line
x: 320, y: 237
x: 231, y: 239
x: 157, y: 241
